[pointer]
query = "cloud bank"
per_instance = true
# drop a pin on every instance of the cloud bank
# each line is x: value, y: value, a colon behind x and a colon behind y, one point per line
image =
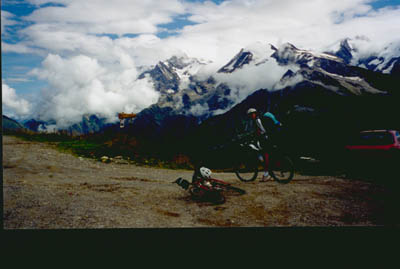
x: 82, y: 85
x: 14, y: 105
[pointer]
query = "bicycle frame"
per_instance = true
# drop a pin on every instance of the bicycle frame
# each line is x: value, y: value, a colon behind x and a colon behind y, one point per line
x: 275, y: 158
x: 255, y: 146
x: 208, y: 189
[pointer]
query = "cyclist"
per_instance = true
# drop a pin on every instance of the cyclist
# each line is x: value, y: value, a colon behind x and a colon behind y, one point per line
x: 266, y: 128
x: 202, y: 177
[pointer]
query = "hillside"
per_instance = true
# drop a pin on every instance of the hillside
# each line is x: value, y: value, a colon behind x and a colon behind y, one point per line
x: 10, y: 124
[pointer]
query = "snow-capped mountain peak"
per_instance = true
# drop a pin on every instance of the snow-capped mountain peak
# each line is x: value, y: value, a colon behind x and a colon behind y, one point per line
x: 185, y: 68
x: 256, y: 53
x: 386, y: 60
x: 242, y: 58
x: 288, y: 53
x: 360, y: 51
x: 170, y: 74
x: 345, y: 51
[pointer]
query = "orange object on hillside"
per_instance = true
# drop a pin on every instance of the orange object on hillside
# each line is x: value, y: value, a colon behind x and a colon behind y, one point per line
x: 126, y: 115
x: 122, y: 116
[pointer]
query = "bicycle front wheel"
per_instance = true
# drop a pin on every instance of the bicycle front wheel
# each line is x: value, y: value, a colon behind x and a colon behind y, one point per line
x: 281, y: 169
x: 226, y: 187
x: 247, y: 169
x: 235, y: 190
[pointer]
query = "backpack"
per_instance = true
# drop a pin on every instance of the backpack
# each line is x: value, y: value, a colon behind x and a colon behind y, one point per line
x: 270, y: 123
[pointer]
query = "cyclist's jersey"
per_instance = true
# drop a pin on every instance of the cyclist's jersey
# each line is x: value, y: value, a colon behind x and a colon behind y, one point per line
x: 268, y: 124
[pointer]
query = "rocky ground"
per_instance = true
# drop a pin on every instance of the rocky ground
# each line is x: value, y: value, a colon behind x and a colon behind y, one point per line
x: 47, y: 189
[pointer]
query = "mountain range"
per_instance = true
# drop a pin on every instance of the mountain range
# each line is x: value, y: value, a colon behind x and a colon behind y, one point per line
x: 320, y: 96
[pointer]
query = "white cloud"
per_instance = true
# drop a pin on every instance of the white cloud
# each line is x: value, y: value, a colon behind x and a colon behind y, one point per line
x: 199, y: 110
x: 7, y: 19
x: 104, y: 16
x: 18, y: 48
x: 82, y: 85
x: 289, y: 81
x: 252, y: 77
x: 14, y: 105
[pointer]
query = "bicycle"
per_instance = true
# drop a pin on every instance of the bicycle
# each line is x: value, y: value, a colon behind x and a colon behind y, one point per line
x: 280, y: 167
x: 208, y: 189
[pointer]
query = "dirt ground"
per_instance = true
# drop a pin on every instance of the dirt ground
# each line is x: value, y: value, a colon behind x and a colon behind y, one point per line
x: 46, y: 189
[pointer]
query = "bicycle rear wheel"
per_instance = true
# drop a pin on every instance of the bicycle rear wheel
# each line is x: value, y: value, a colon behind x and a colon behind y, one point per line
x: 281, y: 168
x: 247, y: 169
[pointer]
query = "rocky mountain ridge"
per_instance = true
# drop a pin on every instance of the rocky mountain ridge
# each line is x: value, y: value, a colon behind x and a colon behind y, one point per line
x: 185, y: 94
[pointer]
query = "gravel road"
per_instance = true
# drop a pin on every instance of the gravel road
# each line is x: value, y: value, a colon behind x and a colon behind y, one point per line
x: 47, y: 189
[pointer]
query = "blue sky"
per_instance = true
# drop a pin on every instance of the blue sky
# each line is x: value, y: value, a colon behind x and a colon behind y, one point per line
x: 384, y: 3
x: 16, y: 65
x: 39, y: 36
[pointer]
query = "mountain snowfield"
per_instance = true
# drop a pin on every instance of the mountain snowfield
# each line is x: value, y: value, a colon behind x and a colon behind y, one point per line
x: 194, y: 87
x: 360, y: 51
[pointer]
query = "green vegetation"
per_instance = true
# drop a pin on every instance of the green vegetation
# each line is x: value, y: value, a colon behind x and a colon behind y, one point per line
x: 38, y: 137
x: 81, y: 148
x: 96, y: 146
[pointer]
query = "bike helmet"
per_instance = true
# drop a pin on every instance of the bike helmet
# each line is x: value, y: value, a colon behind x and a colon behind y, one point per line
x: 251, y: 110
x: 205, y: 172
